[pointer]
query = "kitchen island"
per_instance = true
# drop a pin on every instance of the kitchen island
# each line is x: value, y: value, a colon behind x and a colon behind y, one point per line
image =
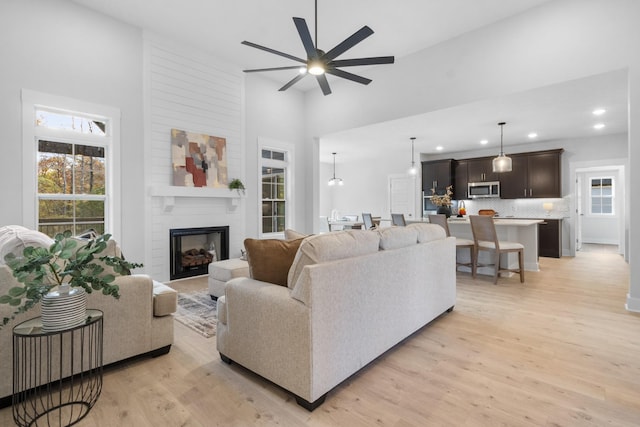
x: 523, y: 231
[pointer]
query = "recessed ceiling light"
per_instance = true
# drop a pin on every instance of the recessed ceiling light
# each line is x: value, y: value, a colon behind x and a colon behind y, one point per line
x: 484, y: 142
x: 599, y: 111
x: 439, y: 148
x: 598, y: 126
x: 533, y: 135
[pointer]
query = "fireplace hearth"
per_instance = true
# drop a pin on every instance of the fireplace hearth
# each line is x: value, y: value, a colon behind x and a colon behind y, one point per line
x: 193, y: 249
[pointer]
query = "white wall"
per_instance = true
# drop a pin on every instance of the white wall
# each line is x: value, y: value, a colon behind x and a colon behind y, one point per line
x: 189, y: 90
x: 365, y: 186
x: 277, y: 116
x: 60, y: 48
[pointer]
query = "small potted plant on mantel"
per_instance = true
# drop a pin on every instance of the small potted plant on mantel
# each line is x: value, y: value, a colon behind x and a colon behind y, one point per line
x: 65, y: 270
x: 237, y: 185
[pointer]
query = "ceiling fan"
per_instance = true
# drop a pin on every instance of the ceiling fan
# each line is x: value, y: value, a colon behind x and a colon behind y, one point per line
x: 318, y: 62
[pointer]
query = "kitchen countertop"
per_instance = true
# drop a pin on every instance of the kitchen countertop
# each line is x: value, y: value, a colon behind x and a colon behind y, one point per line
x: 500, y: 221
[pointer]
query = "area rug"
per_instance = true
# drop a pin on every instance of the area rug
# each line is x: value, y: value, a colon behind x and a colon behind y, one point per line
x: 197, y: 311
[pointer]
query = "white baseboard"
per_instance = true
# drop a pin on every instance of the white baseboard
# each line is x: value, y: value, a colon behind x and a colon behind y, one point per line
x: 633, y: 304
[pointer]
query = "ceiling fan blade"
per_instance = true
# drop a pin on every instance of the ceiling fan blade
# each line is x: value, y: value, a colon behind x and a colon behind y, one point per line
x: 268, y: 49
x: 348, y: 43
x: 305, y: 36
x: 362, y: 61
x: 349, y: 76
x: 256, y: 70
x: 324, y: 84
x: 291, y: 82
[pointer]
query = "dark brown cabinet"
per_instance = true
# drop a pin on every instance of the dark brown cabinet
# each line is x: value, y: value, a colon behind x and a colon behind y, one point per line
x: 481, y: 170
x: 534, y: 175
x: 437, y: 174
x: 460, y: 190
x: 550, y: 238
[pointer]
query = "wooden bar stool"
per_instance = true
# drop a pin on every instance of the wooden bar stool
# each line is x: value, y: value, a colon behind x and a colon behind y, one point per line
x: 441, y: 220
x: 486, y: 239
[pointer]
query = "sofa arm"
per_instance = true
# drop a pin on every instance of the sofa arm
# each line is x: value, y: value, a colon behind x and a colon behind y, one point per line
x: 266, y: 331
x: 165, y: 299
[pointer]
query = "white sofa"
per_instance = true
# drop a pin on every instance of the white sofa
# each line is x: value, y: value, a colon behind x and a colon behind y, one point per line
x: 139, y: 322
x: 350, y: 296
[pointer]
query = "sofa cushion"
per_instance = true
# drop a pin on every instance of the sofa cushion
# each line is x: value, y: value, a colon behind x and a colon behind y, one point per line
x: 428, y: 232
x: 331, y: 246
x: 397, y: 237
x: 290, y: 234
x: 270, y: 259
x: 14, y: 238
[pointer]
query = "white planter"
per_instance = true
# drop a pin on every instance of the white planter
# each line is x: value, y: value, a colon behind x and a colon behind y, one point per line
x: 63, y: 309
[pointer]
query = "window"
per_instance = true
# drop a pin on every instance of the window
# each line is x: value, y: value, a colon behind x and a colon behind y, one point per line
x: 70, y: 145
x: 275, y: 170
x: 601, y: 196
x: 71, y: 187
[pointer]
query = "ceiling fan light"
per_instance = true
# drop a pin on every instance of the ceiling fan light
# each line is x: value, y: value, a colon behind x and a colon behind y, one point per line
x: 316, y: 68
x: 302, y: 70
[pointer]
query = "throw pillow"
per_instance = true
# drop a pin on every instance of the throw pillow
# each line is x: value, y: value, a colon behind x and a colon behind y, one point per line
x: 14, y: 238
x: 270, y: 259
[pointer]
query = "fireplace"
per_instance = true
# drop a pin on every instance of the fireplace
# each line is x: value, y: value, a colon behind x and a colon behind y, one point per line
x: 191, y: 250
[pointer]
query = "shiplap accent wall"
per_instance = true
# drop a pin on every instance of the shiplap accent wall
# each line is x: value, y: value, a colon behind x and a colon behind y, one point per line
x: 189, y: 90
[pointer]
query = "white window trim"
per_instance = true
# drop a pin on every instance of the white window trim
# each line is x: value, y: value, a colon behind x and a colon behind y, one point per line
x: 270, y: 144
x: 613, y: 198
x: 32, y: 100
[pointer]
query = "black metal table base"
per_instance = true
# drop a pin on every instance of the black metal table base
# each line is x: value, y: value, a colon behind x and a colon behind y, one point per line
x: 57, y: 376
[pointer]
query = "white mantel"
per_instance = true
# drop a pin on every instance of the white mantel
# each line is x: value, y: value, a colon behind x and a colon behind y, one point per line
x: 168, y: 193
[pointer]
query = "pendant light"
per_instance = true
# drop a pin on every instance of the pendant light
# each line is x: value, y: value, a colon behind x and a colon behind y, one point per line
x: 412, y: 170
x: 334, y: 180
x: 501, y: 163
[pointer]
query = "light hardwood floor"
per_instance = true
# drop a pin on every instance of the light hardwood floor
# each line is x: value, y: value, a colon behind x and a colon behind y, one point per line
x: 558, y: 350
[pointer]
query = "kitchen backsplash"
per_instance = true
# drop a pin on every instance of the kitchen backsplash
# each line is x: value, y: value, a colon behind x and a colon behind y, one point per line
x: 519, y: 208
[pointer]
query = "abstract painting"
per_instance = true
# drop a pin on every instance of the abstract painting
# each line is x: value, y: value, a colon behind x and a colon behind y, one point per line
x: 198, y: 160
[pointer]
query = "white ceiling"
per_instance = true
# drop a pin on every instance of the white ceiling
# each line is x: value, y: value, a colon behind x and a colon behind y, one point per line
x: 401, y: 28
x: 563, y: 111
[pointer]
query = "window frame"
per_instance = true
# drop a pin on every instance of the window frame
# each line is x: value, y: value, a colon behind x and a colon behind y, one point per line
x: 31, y: 134
x: 288, y: 166
x: 611, y: 197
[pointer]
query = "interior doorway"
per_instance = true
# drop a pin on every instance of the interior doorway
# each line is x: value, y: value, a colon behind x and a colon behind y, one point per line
x: 599, y: 208
x: 402, y: 195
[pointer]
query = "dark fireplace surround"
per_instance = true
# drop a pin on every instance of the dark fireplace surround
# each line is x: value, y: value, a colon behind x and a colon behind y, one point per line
x: 191, y: 250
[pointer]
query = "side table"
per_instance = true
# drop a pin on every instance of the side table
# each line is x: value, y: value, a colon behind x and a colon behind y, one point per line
x: 57, y: 376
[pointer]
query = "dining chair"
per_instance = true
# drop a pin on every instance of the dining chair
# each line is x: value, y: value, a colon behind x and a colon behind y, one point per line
x: 398, y: 219
x: 367, y: 219
x: 486, y: 239
x: 441, y: 220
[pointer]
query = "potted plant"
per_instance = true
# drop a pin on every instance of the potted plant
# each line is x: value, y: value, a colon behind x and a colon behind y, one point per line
x: 62, y: 266
x: 237, y: 185
x: 443, y: 202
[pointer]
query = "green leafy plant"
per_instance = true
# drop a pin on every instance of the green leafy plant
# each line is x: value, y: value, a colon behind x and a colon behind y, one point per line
x: 237, y: 185
x: 64, y: 262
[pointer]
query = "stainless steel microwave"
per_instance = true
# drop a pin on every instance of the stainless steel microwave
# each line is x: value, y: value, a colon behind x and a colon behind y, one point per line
x: 484, y: 190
